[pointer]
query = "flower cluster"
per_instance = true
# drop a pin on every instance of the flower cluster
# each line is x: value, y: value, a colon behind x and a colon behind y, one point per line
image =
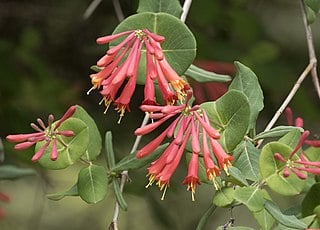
x: 120, y: 66
x: 297, y: 162
x: 302, y: 165
x: 48, y: 134
x: 190, y: 123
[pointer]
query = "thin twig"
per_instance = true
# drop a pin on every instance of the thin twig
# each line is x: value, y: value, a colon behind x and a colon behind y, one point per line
x: 118, y: 10
x: 91, y: 8
x: 288, y: 98
x: 124, y: 176
x: 185, y: 9
x: 311, y: 50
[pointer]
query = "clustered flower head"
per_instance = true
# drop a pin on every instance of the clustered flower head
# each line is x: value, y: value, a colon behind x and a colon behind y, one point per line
x: 119, y: 69
x: 45, y: 133
x: 191, y: 123
x: 297, y: 162
x: 300, y: 166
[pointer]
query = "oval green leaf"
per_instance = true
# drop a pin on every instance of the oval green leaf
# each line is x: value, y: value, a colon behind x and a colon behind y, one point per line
x: 224, y: 197
x: 179, y: 46
x: 230, y: 116
x: 76, y: 145
x: 92, y: 184
x: 311, y: 200
x: 278, y: 131
x: 252, y: 197
x: 247, y: 160
x: 95, y: 142
x: 166, y: 6
x: 73, y: 191
x: 287, y: 220
x: 201, y: 75
x: 271, y: 170
x: 132, y: 162
x: 247, y: 82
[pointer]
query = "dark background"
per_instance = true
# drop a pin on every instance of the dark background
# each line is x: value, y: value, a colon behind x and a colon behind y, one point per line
x: 46, y: 50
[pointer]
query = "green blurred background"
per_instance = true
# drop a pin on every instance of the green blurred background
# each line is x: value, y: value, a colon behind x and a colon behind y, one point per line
x: 46, y: 50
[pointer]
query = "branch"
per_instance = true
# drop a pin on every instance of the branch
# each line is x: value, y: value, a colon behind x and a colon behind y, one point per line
x: 91, y: 8
x: 124, y: 177
x: 118, y: 10
x: 288, y: 98
x: 185, y: 9
x: 311, y: 50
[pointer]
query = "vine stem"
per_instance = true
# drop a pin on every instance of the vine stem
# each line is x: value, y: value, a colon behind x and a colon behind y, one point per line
x: 311, y: 68
x: 288, y: 98
x: 185, y: 10
x: 124, y: 177
x: 311, y: 50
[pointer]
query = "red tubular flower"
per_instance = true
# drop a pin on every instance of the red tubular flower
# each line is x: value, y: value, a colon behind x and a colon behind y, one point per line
x: 48, y: 134
x: 192, y: 179
x: 122, y: 61
x: 188, y: 125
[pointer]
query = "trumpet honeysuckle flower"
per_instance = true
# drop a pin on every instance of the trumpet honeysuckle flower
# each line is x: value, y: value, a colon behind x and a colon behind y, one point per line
x: 49, y: 133
x: 301, y: 166
x: 119, y: 70
x: 189, y: 123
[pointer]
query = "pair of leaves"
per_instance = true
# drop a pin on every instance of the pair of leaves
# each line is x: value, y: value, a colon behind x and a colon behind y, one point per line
x: 92, y: 185
x: 85, y: 143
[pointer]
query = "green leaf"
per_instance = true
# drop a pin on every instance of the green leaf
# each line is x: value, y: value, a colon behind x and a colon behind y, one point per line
x: 73, y: 191
x: 312, y: 153
x: 278, y: 131
x: 95, y: 142
x: 248, y: 160
x: 252, y: 197
x: 313, y: 4
x: 73, y: 149
x: 92, y: 184
x: 10, y: 172
x: 311, y: 15
x: 166, y: 6
x: 291, y: 138
x: 287, y: 220
x: 264, y: 219
x: 109, y: 150
x: 224, y: 197
x: 179, y: 46
x: 119, y: 196
x: 311, y: 200
x: 271, y: 170
x: 230, y: 116
x: 205, y: 217
x: 201, y: 75
x: 247, y: 82
x: 236, y: 174
x: 132, y: 162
